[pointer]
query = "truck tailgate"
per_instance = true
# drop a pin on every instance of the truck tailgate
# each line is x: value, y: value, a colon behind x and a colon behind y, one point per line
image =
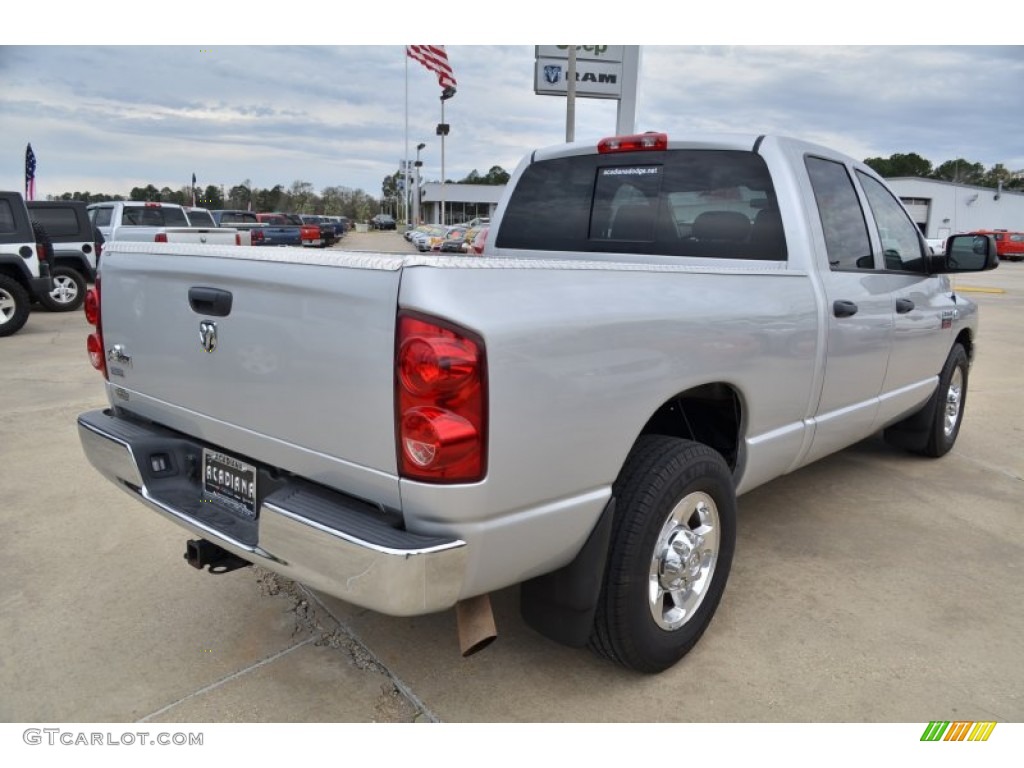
x: 296, y: 346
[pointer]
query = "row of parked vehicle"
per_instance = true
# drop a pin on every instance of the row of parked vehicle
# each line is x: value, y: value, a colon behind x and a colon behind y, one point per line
x: 468, y: 238
x: 50, y: 250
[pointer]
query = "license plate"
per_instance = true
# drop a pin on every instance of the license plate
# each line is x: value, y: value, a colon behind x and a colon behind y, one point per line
x: 227, y: 479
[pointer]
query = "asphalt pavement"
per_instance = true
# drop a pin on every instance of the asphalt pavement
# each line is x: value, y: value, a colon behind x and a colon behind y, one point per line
x: 872, y: 586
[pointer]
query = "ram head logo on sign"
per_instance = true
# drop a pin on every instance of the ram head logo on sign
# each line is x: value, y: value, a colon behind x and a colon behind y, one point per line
x: 552, y: 74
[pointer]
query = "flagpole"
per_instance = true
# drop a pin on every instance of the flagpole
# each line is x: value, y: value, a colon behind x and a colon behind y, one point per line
x: 405, y: 161
x: 443, y: 132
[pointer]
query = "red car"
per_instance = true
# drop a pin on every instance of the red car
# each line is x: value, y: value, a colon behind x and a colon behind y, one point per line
x: 1009, y: 245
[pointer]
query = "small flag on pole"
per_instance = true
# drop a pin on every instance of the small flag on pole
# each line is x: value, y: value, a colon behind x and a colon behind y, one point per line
x: 193, y: 190
x: 434, y: 58
x: 30, y: 173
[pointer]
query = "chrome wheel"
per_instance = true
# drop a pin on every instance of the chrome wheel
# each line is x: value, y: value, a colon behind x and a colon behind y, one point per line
x: 68, y: 291
x: 684, y: 560
x: 65, y: 290
x: 7, y: 306
x: 954, y: 399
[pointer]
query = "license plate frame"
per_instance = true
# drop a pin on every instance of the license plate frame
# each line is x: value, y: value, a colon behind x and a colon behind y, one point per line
x: 231, y: 482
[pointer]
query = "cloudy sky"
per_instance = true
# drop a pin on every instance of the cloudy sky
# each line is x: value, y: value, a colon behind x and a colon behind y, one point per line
x: 106, y: 118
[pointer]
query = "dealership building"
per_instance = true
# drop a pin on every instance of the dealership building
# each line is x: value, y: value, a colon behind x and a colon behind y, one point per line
x: 462, y: 202
x: 942, y: 208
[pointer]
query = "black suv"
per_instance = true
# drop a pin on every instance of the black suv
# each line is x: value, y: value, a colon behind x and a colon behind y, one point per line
x: 383, y: 221
x: 76, y: 246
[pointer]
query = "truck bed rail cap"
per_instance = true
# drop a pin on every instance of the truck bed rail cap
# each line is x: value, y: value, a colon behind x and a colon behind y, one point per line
x: 351, y: 259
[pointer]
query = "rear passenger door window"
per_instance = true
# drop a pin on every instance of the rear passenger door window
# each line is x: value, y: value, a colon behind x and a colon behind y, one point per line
x: 842, y: 221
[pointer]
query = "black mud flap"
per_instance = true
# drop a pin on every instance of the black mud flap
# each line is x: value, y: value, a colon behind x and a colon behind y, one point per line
x: 561, y: 605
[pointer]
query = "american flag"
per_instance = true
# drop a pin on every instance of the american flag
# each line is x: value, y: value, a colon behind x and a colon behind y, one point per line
x: 434, y: 58
x: 30, y: 173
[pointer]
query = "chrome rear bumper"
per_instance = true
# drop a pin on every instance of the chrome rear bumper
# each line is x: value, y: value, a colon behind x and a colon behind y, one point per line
x: 334, y: 543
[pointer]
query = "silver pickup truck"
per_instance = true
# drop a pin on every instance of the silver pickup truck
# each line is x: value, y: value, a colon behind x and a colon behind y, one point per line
x: 146, y: 222
x: 654, y: 327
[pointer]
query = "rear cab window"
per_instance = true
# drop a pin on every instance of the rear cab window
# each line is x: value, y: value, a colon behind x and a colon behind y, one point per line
x: 153, y: 216
x: 201, y: 219
x: 702, y: 203
x: 57, y: 221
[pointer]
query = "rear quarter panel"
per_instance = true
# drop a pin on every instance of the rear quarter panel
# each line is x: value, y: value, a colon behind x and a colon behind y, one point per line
x: 578, y: 360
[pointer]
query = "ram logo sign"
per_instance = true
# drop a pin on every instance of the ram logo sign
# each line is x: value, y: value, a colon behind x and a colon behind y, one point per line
x: 594, y: 79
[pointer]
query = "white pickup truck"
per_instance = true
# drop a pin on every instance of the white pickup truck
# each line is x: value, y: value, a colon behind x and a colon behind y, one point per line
x: 129, y: 220
x: 655, y: 326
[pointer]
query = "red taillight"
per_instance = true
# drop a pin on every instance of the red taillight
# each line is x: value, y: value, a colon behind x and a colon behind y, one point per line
x: 440, y: 400
x: 92, y: 305
x: 94, y: 344
x: 257, y: 236
x: 160, y: 237
x: 238, y: 239
x: 436, y: 365
x: 637, y: 142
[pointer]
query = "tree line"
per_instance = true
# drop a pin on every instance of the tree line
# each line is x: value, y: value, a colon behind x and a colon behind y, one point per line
x: 299, y: 197
x: 959, y: 171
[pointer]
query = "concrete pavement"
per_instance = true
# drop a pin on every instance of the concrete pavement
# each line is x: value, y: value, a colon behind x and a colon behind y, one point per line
x: 872, y: 586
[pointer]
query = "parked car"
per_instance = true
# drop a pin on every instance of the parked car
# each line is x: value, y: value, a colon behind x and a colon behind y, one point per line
x: 476, y: 248
x: 422, y: 236
x: 383, y: 221
x: 452, y: 240
x: 328, y: 229
x: 139, y: 221
x: 1009, y: 245
x: 75, y: 250
x: 340, y: 225
x: 24, y: 263
x: 410, y: 232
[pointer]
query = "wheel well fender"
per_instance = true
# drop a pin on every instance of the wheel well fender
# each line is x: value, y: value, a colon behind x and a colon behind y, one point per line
x: 712, y: 414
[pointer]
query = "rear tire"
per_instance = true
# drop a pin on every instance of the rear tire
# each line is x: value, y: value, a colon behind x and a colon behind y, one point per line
x: 672, y: 546
x: 68, y: 291
x: 14, y: 306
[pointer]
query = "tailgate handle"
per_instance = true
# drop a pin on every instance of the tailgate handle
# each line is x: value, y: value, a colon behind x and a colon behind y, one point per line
x: 210, y: 301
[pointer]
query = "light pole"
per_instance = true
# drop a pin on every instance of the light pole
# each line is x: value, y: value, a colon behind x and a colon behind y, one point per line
x: 416, y: 188
x: 442, y: 131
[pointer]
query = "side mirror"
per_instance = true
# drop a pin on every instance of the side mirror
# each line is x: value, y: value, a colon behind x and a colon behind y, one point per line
x: 966, y: 253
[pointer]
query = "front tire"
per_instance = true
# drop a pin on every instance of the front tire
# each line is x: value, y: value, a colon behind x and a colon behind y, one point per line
x: 949, y: 411
x: 68, y: 291
x: 672, y: 546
